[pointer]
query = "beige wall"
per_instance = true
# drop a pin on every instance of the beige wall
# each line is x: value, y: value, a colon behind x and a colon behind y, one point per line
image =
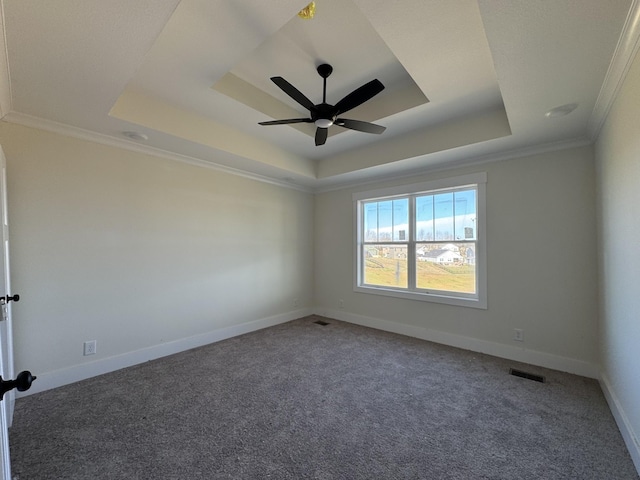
x: 136, y: 251
x: 618, y: 167
x: 541, y: 265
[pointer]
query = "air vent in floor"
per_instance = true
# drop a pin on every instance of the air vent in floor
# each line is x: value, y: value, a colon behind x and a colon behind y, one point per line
x: 321, y: 322
x: 527, y: 375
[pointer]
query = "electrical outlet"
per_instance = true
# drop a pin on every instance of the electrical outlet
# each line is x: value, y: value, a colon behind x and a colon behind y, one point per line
x: 518, y: 335
x: 90, y: 347
x: 295, y: 302
x: 341, y: 303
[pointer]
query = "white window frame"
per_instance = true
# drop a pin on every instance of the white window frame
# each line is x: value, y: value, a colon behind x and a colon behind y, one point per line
x: 477, y: 300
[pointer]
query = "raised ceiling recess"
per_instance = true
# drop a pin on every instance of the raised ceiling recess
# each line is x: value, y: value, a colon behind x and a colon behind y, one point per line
x: 194, y: 77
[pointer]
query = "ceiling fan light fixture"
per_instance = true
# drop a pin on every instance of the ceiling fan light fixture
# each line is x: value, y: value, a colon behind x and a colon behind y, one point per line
x: 308, y: 12
x: 323, y: 122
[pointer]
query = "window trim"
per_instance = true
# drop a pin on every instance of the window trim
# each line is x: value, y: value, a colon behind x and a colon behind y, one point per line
x: 479, y: 300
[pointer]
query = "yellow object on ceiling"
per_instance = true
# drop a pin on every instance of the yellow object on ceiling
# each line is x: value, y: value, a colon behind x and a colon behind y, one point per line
x: 308, y: 12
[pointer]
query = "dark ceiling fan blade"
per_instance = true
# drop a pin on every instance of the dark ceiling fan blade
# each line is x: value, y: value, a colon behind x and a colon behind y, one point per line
x: 293, y: 92
x: 321, y: 135
x: 360, y: 126
x: 359, y: 96
x: 286, y: 121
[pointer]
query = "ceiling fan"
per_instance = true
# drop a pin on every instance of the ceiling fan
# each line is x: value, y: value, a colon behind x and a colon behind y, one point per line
x: 324, y: 115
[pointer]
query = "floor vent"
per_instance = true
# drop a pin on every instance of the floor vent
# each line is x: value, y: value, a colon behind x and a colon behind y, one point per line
x: 527, y: 375
x: 321, y: 322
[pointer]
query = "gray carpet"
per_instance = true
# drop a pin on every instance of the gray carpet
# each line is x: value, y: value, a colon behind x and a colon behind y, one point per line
x: 304, y: 401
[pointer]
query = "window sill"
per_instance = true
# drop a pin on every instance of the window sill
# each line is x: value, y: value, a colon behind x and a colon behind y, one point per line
x: 424, y: 297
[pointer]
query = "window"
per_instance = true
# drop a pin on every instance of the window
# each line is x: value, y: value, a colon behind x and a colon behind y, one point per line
x: 423, y: 241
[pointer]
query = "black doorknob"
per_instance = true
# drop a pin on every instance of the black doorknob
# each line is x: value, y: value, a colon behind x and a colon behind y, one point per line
x: 22, y: 382
x: 9, y: 298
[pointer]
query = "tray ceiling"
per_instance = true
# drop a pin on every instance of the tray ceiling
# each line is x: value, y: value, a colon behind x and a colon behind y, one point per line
x: 464, y: 80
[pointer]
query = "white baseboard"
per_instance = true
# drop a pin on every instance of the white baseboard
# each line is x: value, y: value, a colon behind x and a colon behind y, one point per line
x: 58, y: 378
x: 630, y: 438
x: 532, y: 357
x: 76, y: 373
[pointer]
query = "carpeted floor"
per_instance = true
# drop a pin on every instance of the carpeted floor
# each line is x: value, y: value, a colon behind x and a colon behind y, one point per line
x: 305, y: 401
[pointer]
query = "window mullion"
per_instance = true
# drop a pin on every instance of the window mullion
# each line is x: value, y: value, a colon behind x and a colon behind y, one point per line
x: 411, y: 245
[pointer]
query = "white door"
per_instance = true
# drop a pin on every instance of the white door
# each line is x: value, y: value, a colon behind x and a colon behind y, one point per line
x: 6, y: 336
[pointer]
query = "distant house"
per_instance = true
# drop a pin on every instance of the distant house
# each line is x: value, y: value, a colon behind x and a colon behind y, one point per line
x: 372, y: 252
x: 385, y: 252
x: 394, y: 252
x: 441, y: 256
x: 471, y: 256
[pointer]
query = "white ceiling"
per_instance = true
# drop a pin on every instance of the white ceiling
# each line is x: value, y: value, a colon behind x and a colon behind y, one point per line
x: 466, y: 81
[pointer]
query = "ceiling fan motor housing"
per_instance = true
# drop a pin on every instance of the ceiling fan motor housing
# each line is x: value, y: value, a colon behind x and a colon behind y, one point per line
x: 323, y: 115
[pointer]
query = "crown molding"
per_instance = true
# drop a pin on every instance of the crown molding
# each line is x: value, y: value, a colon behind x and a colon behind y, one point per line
x: 87, y: 135
x: 623, y: 57
x: 465, y: 161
